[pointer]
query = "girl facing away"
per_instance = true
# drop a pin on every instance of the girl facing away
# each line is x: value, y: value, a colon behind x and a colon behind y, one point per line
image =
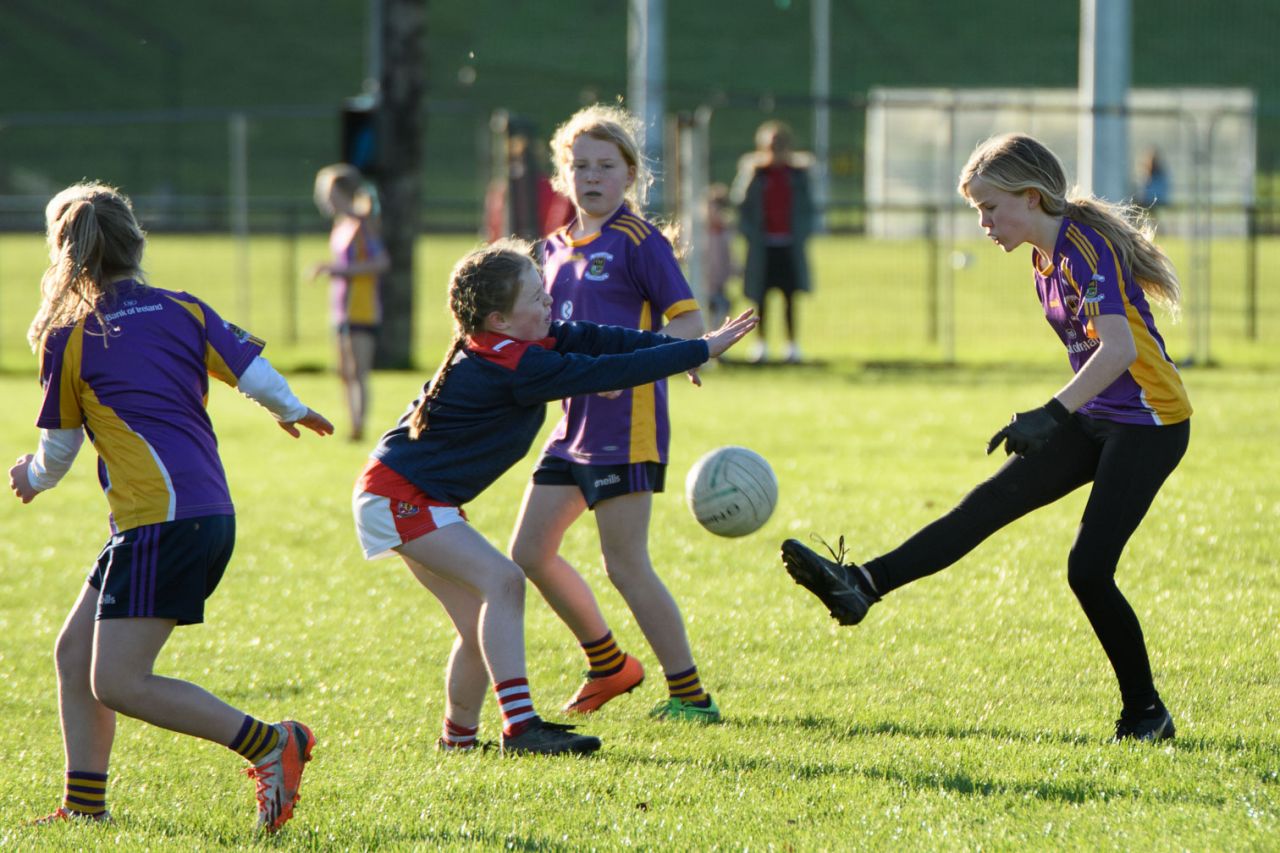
x: 129, y: 364
x: 358, y: 262
x: 1122, y: 422
x: 609, y: 452
x: 475, y: 419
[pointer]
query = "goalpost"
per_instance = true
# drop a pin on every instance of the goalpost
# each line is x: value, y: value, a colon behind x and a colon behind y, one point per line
x: 917, y: 141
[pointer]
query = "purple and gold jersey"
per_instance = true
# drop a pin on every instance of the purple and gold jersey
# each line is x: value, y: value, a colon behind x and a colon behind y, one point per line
x: 354, y: 301
x: 625, y: 275
x: 1085, y: 280
x: 140, y: 392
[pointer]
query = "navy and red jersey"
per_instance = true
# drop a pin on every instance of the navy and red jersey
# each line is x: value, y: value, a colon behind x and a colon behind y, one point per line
x: 1085, y: 279
x: 493, y: 402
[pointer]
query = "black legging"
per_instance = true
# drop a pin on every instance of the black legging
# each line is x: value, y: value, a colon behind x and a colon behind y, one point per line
x: 1127, y: 464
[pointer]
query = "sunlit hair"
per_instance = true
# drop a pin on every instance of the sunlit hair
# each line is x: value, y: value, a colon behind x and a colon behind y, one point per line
x: 484, y: 281
x: 1016, y: 163
x: 93, y: 237
x: 610, y: 124
x: 346, y: 180
x: 765, y: 134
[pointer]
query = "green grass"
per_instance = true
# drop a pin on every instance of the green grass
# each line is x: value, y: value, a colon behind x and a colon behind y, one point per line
x: 971, y: 710
x: 872, y: 302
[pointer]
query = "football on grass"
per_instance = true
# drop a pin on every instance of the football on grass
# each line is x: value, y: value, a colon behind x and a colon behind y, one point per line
x: 731, y: 491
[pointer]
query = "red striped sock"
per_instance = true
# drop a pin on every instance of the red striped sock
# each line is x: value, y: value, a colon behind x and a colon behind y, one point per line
x: 515, y: 704
x: 455, y: 736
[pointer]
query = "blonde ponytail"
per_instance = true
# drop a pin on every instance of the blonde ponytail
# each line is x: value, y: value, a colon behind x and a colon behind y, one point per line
x: 93, y: 238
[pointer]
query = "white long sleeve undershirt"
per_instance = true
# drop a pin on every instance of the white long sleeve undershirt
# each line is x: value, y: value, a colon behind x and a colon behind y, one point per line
x: 53, y: 457
x: 263, y: 384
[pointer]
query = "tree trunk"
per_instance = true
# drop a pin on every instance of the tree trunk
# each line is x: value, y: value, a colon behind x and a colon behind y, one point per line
x: 401, y: 129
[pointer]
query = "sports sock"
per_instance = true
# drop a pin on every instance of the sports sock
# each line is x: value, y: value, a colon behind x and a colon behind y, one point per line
x: 255, y: 740
x: 603, y: 656
x: 515, y: 704
x: 86, y: 793
x: 687, y: 686
x: 455, y: 736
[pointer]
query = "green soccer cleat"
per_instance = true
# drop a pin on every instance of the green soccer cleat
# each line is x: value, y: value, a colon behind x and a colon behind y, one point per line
x: 675, y: 708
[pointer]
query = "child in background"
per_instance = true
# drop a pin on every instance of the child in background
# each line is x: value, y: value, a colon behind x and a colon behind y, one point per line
x: 719, y: 266
x: 776, y: 216
x: 129, y: 364
x: 476, y: 418
x: 609, y: 453
x: 359, y: 260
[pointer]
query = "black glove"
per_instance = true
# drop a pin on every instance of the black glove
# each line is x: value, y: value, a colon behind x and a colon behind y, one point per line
x: 1028, y: 431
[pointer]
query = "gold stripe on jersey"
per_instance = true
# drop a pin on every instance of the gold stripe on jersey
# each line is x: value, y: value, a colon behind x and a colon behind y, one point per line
x: 1076, y: 236
x: 628, y: 229
x: 644, y: 422
x: 1162, y: 388
x: 70, y: 414
x: 138, y: 485
x: 362, y: 299
x: 684, y: 306
x: 636, y: 222
x: 213, y: 362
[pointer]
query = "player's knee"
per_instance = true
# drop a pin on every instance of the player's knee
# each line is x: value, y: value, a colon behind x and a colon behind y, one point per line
x: 525, y: 555
x: 507, y: 584
x: 1088, y: 572
x: 113, y: 688
x: 629, y: 573
x: 72, y: 655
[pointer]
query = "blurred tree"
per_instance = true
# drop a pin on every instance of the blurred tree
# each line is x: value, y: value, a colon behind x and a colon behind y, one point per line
x: 401, y: 129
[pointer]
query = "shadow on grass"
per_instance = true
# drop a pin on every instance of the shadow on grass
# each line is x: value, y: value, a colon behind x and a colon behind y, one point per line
x: 262, y: 692
x: 1077, y: 789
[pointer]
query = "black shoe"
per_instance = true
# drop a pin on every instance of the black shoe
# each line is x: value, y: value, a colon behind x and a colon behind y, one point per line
x: 1149, y: 725
x: 840, y: 586
x: 546, y: 738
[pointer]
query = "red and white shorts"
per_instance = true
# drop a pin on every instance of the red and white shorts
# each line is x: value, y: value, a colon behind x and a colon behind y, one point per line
x: 390, y: 511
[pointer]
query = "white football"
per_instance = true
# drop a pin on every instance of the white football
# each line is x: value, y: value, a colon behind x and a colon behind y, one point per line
x: 731, y: 491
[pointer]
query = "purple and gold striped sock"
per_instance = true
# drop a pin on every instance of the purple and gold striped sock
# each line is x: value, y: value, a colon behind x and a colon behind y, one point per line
x: 86, y: 793
x: 603, y: 656
x: 687, y: 686
x: 255, y: 740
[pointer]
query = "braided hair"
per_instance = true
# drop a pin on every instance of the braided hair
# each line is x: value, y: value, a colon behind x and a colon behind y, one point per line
x: 484, y: 281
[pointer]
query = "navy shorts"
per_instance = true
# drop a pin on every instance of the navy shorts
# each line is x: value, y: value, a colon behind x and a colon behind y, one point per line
x: 164, y: 571
x: 601, y: 482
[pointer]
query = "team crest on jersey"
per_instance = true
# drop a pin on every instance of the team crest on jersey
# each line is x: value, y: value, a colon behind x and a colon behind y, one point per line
x: 566, y: 310
x: 404, y: 509
x: 240, y: 334
x: 595, y: 266
x: 1072, y: 302
x: 1091, y: 292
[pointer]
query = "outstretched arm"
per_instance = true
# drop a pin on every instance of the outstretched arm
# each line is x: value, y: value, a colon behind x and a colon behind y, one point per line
x: 263, y: 384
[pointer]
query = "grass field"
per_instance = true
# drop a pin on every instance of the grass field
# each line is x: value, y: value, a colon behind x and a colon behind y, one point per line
x: 970, y: 710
